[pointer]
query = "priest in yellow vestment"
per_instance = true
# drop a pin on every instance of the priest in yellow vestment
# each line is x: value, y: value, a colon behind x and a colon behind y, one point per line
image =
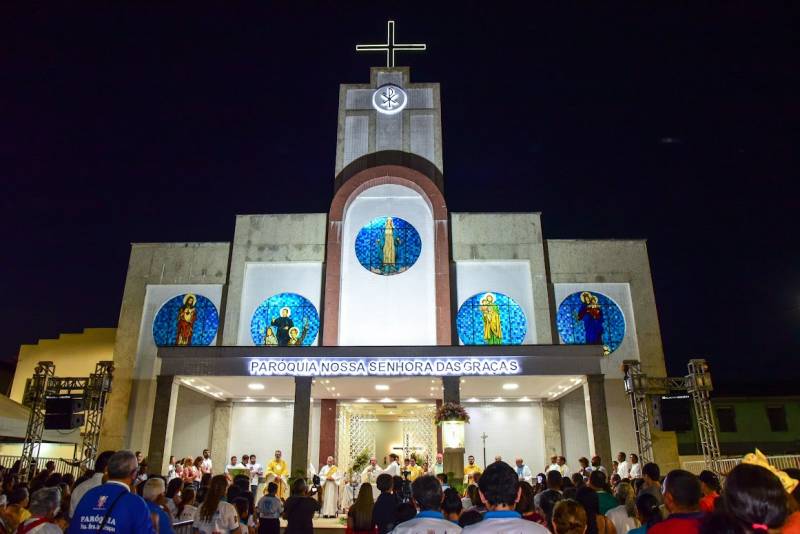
x: 278, y: 472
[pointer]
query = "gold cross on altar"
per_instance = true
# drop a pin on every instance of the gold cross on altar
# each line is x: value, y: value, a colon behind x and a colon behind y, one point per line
x: 390, y: 47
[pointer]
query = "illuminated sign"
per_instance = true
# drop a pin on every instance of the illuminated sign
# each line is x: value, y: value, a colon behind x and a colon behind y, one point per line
x: 384, y: 366
x: 389, y: 99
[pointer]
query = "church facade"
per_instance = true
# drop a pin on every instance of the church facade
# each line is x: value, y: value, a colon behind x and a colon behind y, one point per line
x: 338, y: 333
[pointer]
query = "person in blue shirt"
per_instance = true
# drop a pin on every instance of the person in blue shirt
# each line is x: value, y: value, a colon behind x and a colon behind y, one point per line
x: 154, y: 494
x: 111, y: 507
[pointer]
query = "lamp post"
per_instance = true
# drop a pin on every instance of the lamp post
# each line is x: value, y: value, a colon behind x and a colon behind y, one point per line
x: 483, y: 437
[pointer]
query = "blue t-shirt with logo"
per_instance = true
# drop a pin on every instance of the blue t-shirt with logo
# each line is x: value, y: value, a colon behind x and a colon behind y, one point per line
x: 164, y: 523
x: 130, y: 514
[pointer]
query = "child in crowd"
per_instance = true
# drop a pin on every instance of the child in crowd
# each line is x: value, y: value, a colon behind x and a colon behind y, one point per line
x: 269, y: 510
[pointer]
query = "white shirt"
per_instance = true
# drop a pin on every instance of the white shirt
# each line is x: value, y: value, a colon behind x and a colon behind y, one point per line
x: 238, y: 465
x: 565, y: 472
x: 624, y: 469
x: 505, y: 525
x: 370, y: 474
x: 524, y: 473
x: 206, y: 466
x: 427, y: 523
x: 225, y: 519
x: 554, y: 467
x: 256, y: 471
x: 622, y: 521
x: 188, y: 513
x: 636, y: 470
x: 81, y: 489
x: 393, y: 469
x: 44, y: 528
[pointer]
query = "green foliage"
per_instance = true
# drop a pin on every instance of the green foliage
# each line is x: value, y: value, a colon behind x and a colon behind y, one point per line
x: 360, y: 461
x: 457, y: 485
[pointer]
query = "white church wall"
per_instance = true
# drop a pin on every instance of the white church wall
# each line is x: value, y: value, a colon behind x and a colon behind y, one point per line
x: 502, y: 423
x: 147, y: 365
x: 278, y: 238
x: 512, y: 278
x: 621, y: 295
x: 263, y: 280
x: 574, y: 429
x: 260, y: 429
x: 507, y: 237
x: 620, y: 419
x: 193, y: 417
x: 622, y: 261
x: 313, y: 434
x: 398, y: 309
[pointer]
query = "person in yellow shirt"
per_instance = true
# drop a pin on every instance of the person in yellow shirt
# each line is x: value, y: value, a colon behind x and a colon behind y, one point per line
x: 471, y: 469
x: 415, y: 469
x: 278, y: 472
x: 16, y: 511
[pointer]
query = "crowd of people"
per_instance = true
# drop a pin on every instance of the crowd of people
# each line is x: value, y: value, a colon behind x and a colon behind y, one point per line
x: 119, y: 495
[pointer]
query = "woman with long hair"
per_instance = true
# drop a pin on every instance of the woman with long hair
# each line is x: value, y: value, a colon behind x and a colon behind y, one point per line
x: 216, y: 515
x: 753, y: 502
x: 569, y: 517
x: 624, y: 515
x: 174, y: 488
x: 526, y: 506
x: 359, y: 517
x: 189, y: 473
x: 595, y: 522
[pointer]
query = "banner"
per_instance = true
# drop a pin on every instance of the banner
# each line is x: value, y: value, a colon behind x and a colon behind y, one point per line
x: 384, y: 366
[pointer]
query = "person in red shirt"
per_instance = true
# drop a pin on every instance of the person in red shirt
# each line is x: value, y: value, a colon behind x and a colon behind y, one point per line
x: 709, y: 485
x: 682, y: 498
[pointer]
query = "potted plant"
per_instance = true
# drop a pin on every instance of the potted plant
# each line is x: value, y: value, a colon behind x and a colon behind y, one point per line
x: 452, y: 417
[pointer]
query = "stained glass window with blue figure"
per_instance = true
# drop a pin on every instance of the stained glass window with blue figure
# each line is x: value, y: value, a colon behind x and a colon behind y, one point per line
x: 491, y: 318
x: 285, y: 320
x: 187, y: 319
x: 388, y: 245
x: 591, y: 318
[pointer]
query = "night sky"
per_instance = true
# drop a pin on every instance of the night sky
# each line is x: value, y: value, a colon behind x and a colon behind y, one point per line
x: 137, y: 123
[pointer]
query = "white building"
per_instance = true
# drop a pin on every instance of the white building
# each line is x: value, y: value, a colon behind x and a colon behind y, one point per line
x: 428, y: 287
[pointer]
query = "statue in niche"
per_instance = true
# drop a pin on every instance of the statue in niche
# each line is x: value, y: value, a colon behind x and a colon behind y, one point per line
x: 387, y: 247
x: 591, y: 314
x: 295, y: 337
x: 282, y: 325
x: 269, y: 338
x: 492, y: 326
x: 187, y: 315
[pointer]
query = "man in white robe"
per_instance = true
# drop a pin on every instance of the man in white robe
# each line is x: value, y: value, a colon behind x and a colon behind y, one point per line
x: 330, y: 478
x: 393, y: 469
x: 370, y: 476
x: 524, y: 472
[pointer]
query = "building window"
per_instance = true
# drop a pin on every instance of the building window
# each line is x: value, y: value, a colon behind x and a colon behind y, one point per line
x: 726, y: 416
x: 777, y: 418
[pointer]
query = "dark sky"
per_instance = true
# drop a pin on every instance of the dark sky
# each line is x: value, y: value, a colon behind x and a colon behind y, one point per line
x: 123, y: 123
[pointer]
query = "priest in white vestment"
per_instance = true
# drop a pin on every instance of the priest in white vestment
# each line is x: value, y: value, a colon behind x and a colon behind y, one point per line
x: 393, y: 469
x: 330, y: 478
x: 370, y: 476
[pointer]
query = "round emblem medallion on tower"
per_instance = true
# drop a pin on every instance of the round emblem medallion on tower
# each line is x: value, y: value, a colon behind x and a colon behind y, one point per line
x: 389, y: 99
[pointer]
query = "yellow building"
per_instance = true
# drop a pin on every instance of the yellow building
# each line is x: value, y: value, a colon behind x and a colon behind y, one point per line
x: 73, y: 355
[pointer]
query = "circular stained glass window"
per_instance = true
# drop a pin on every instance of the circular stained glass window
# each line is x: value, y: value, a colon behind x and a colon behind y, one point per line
x: 388, y: 245
x: 285, y: 320
x: 591, y: 318
x: 187, y: 319
x: 491, y: 318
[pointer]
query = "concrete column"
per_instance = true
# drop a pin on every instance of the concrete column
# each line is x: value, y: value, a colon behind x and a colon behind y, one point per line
x: 597, y: 417
x: 300, y: 424
x: 163, y: 425
x: 221, y: 435
x: 452, y: 388
x: 551, y: 418
x: 327, y: 431
x: 453, y: 458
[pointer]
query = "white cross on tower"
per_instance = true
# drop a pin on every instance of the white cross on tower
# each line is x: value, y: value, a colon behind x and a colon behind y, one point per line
x: 390, y: 47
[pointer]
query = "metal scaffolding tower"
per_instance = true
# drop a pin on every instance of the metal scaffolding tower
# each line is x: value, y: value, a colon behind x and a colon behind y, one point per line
x: 40, y: 383
x: 94, y: 389
x: 697, y: 383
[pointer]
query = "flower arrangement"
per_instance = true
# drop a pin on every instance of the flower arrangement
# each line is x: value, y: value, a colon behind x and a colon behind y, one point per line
x: 360, y: 461
x: 451, y: 411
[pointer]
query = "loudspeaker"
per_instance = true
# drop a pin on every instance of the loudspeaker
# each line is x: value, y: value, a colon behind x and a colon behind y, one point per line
x: 63, y: 404
x: 63, y: 421
x: 673, y: 412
